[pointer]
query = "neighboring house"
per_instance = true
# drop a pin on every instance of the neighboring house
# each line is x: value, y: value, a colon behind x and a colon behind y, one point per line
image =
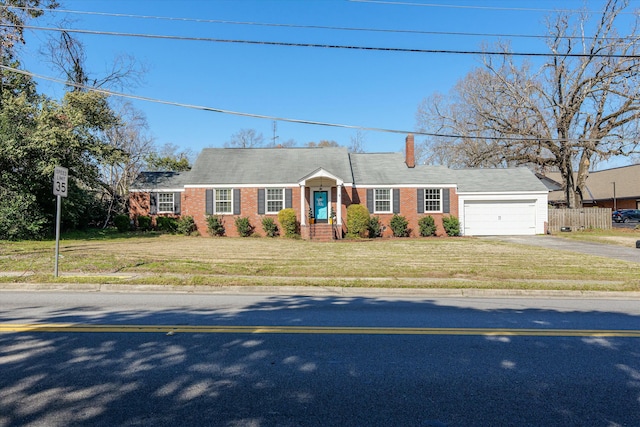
x: 259, y: 182
x: 616, y: 188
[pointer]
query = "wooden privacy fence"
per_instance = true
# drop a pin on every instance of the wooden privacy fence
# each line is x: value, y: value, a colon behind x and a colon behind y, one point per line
x: 579, y: 219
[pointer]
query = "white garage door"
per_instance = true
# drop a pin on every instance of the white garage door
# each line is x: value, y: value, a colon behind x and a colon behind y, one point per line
x: 499, y: 217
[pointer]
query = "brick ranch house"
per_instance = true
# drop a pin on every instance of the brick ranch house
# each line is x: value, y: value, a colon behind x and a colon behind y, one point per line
x: 259, y: 182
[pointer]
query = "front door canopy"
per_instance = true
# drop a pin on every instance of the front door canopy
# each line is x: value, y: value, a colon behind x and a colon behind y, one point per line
x: 320, y: 173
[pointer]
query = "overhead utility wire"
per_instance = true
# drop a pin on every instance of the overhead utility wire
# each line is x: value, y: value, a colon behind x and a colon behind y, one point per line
x: 312, y: 27
x: 206, y: 108
x: 395, y: 3
x: 460, y: 6
x: 262, y: 116
x: 324, y: 46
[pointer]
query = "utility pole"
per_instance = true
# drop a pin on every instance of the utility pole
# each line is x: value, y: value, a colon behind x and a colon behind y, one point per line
x: 275, y: 137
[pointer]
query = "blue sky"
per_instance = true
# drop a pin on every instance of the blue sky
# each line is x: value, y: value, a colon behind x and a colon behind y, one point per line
x: 367, y: 88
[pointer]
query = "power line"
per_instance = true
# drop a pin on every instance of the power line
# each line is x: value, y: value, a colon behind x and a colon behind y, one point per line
x: 320, y: 27
x: 395, y: 3
x: 327, y: 46
x: 267, y: 117
x: 204, y: 108
x: 455, y: 6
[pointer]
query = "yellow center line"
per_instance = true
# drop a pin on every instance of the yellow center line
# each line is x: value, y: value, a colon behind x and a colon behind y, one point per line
x: 336, y: 330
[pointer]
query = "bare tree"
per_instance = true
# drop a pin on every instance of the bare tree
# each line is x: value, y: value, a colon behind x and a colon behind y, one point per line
x: 357, y: 142
x: 453, y: 115
x: 132, y: 144
x: 67, y: 54
x: 581, y: 106
x: 245, y: 138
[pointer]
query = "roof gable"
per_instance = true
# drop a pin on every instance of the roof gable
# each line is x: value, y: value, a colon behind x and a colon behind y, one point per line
x: 320, y: 173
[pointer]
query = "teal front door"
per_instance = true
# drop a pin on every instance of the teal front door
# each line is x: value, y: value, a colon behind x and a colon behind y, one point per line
x: 320, y: 207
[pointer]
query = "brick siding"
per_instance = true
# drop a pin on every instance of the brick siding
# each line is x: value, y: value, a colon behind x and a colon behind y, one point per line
x: 409, y: 209
x: 193, y: 203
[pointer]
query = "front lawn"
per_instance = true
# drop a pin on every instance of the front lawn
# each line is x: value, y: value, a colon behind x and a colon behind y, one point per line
x: 430, y: 262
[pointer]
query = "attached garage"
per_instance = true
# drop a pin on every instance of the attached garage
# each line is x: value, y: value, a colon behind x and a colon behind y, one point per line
x: 499, y: 217
x: 494, y: 202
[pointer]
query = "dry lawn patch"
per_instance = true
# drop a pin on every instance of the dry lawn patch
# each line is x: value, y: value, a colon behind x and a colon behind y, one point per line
x: 617, y: 236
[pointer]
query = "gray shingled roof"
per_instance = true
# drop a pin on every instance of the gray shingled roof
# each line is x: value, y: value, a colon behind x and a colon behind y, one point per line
x: 161, y: 180
x: 267, y: 165
x: 278, y: 166
x: 391, y: 169
x: 498, y: 180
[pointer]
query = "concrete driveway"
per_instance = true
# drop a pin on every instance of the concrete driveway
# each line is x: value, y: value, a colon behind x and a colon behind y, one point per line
x: 552, y: 242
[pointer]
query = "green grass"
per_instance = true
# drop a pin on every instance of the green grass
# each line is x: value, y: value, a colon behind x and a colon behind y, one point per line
x: 113, y: 258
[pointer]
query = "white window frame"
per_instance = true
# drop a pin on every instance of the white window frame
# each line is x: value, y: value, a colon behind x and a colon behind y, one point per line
x: 377, y: 199
x: 429, y: 199
x: 269, y: 197
x: 166, y: 200
x: 218, y: 199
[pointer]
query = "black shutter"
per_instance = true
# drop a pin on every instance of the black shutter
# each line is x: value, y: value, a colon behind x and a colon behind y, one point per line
x: 446, y: 205
x: 153, y: 203
x: 288, y: 195
x: 370, y: 199
x: 396, y: 200
x: 261, y: 208
x: 420, y: 197
x: 236, y: 201
x: 209, y: 202
x: 176, y: 202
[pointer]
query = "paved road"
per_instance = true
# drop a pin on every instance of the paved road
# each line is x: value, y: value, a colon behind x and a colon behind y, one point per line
x: 306, y: 361
x: 598, y: 249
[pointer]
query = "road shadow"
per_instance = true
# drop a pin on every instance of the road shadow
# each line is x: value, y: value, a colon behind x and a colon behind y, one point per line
x: 265, y: 379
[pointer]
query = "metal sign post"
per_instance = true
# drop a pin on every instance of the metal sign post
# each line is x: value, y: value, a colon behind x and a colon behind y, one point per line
x: 60, y: 175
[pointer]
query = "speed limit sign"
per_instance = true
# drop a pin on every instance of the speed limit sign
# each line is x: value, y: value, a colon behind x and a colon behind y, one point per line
x: 60, y: 175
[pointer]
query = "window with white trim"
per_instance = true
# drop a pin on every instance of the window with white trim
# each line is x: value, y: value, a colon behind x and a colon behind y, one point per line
x: 224, y: 201
x: 274, y: 199
x: 433, y: 199
x: 165, y: 202
x: 382, y: 200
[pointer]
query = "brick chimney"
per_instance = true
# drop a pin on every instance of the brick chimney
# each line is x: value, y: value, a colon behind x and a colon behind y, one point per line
x: 410, y: 152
